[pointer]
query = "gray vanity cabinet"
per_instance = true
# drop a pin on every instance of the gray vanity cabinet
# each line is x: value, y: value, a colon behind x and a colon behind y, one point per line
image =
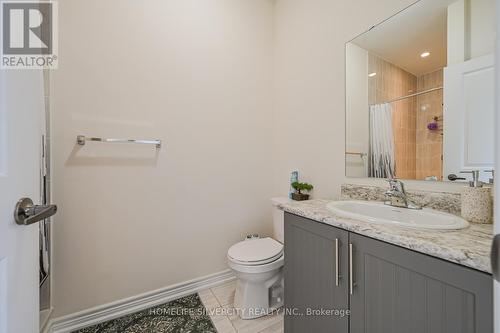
x: 398, y: 290
x: 394, y: 290
x: 310, y: 276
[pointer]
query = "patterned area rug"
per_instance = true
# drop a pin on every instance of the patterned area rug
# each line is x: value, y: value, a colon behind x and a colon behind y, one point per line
x: 186, y: 315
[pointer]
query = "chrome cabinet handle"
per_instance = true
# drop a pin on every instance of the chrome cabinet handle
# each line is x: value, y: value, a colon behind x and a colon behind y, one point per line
x: 337, y: 276
x: 26, y: 212
x: 495, y: 257
x: 351, y: 278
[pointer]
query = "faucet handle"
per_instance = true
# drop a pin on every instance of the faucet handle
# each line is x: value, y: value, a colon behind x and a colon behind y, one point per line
x: 396, y: 185
x: 475, y: 178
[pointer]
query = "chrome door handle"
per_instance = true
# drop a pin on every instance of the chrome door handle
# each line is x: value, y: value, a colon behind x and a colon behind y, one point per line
x: 351, y: 278
x: 27, y: 213
x: 337, y: 276
x: 495, y: 257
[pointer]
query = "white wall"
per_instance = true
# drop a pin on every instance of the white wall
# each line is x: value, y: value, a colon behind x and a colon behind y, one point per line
x: 198, y: 75
x: 357, y: 119
x: 456, y: 32
x: 482, y: 27
x: 471, y: 29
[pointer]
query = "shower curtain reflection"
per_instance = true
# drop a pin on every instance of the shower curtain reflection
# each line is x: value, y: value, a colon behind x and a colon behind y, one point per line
x: 381, y: 156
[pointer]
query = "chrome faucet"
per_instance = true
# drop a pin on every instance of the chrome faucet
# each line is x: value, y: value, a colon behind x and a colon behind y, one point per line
x: 397, y: 197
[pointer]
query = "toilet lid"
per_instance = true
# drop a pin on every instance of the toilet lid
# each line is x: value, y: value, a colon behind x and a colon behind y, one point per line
x: 255, y: 251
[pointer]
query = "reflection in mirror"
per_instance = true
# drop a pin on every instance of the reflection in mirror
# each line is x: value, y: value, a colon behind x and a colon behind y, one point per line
x: 420, y: 93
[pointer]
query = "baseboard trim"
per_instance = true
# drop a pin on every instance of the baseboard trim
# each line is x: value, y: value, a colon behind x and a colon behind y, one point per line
x: 44, y: 319
x: 133, y: 304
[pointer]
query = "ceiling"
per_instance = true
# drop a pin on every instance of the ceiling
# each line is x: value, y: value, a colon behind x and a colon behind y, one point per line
x: 402, y: 38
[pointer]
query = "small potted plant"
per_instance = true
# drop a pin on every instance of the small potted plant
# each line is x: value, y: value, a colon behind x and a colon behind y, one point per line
x: 299, y: 187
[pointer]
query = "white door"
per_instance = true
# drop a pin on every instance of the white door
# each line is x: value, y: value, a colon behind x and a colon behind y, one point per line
x: 21, y: 107
x: 469, y: 104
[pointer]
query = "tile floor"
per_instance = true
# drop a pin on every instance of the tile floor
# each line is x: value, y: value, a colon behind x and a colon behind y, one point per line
x: 219, y: 303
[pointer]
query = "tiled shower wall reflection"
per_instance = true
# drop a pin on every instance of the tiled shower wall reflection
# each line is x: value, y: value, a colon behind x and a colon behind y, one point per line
x: 418, y: 151
x: 392, y: 82
x: 430, y: 143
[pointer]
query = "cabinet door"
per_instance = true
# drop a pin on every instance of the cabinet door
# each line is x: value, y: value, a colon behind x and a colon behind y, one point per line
x: 310, y: 276
x: 398, y: 290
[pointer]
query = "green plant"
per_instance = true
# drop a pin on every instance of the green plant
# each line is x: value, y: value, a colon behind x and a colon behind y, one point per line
x: 298, y: 187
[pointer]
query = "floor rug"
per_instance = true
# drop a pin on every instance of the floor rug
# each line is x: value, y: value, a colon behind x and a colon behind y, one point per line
x: 184, y: 315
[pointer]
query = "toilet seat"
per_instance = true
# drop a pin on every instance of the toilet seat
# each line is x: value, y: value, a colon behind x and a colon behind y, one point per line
x: 258, y: 269
x: 255, y: 252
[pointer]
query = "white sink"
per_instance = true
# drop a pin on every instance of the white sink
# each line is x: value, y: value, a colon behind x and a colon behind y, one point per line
x: 379, y: 213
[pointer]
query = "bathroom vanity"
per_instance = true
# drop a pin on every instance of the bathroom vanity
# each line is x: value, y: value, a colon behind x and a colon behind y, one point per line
x: 417, y: 108
x: 384, y: 276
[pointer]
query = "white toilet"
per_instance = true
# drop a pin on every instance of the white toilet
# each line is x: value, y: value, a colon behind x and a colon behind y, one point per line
x: 258, y: 266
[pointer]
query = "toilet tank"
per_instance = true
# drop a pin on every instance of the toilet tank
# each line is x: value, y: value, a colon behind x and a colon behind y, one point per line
x: 278, y: 220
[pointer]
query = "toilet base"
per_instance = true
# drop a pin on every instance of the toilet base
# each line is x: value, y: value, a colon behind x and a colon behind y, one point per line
x: 258, y: 295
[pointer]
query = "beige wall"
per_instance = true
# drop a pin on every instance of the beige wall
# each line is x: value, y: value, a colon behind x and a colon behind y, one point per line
x: 199, y: 75
x: 196, y: 74
x: 357, y: 119
x: 309, y: 135
x: 309, y: 87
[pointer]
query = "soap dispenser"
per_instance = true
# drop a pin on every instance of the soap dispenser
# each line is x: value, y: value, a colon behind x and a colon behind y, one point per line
x: 477, y: 203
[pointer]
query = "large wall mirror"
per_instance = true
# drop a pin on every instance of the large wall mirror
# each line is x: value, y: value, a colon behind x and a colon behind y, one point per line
x: 420, y: 93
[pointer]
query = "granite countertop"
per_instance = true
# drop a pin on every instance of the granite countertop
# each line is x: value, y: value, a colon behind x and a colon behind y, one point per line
x: 468, y: 247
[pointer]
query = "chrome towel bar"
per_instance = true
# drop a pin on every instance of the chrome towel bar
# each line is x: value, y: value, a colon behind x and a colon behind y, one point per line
x: 81, y: 139
x: 356, y: 153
